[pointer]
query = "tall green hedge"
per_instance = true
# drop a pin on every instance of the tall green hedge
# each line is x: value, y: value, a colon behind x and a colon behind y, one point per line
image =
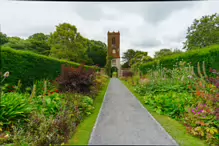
x: 28, y: 67
x: 209, y: 55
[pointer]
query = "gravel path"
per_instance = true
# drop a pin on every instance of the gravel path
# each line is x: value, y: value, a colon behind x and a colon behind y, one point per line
x: 123, y: 120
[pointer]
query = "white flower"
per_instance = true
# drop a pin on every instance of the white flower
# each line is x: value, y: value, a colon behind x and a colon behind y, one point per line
x: 6, y: 74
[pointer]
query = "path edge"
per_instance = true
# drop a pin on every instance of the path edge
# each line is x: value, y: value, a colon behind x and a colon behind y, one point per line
x: 97, y: 119
x: 159, y: 125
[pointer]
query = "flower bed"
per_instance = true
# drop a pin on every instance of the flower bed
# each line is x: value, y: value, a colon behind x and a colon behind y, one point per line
x: 182, y: 95
x: 46, y: 113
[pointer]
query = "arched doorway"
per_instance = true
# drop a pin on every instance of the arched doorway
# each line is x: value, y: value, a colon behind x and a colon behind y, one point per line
x: 114, y: 71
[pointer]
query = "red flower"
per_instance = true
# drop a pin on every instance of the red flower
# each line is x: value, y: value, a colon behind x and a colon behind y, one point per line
x: 198, y: 93
x: 56, y: 90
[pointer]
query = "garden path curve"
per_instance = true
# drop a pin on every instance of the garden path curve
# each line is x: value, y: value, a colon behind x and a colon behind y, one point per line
x: 124, y: 120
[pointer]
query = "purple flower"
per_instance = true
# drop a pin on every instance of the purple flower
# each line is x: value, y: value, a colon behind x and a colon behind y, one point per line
x: 193, y: 111
x: 199, y: 113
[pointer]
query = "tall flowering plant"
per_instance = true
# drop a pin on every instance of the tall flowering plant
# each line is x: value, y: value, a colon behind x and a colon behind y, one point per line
x: 202, y: 119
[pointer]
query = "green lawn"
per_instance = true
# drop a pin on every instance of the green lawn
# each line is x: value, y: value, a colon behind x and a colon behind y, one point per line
x: 83, y: 132
x: 173, y: 127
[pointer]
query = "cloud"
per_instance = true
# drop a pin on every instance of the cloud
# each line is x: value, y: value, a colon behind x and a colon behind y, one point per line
x: 147, y: 26
x: 147, y: 43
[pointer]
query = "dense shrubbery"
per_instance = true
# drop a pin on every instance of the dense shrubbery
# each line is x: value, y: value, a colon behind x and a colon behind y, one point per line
x: 44, y: 115
x: 76, y: 79
x: 127, y: 74
x: 184, y: 96
x: 209, y: 55
x: 29, y: 67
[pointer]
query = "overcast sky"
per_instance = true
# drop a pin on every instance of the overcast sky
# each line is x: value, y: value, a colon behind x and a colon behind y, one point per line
x: 146, y: 26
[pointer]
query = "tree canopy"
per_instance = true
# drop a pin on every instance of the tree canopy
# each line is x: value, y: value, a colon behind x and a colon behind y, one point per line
x: 203, y: 32
x: 166, y: 52
x: 64, y: 43
x: 132, y: 57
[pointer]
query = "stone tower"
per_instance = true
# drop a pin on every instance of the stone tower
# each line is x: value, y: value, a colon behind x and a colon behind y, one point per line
x: 114, y: 49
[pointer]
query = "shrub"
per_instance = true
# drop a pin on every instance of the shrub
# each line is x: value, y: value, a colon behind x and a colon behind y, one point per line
x: 127, y: 74
x: 29, y: 67
x: 86, y: 106
x: 209, y: 55
x: 182, y: 95
x: 14, y: 107
x: 76, y: 79
x: 43, y: 131
x: 49, y: 105
x: 172, y: 104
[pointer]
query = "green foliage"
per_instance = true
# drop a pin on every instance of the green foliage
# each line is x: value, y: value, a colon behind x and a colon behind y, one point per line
x: 97, y: 51
x: 132, y: 57
x: 48, y: 105
x: 39, y: 43
x: 46, y: 118
x: 65, y: 43
x: 18, y: 43
x: 86, y: 105
x: 138, y: 60
x: 166, y: 52
x: 115, y: 74
x: 68, y: 44
x: 208, y: 55
x: 128, y: 55
x: 184, y: 96
x: 203, y: 32
x: 108, y: 66
x: 23, y: 65
x: 14, y: 107
x: 42, y: 130
x: 3, y: 38
x: 169, y: 103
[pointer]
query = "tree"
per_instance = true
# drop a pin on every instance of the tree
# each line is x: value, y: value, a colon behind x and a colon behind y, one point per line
x: 127, y: 56
x: 166, y: 52
x: 97, y: 51
x: 140, y: 57
x: 125, y: 65
x: 39, y: 43
x: 203, y: 32
x: 67, y: 43
x: 3, y: 38
x: 18, y: 43
x: 162, y: 53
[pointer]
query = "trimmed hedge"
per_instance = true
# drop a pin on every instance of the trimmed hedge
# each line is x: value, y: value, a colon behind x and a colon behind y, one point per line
x: 209, y: 55
x: 28, y: 66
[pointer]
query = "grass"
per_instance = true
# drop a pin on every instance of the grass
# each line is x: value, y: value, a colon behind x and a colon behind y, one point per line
x: 83, y: 132
x: 173, y: 127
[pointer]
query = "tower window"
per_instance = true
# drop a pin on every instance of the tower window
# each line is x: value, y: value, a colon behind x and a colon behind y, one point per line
x: 113, y: 41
